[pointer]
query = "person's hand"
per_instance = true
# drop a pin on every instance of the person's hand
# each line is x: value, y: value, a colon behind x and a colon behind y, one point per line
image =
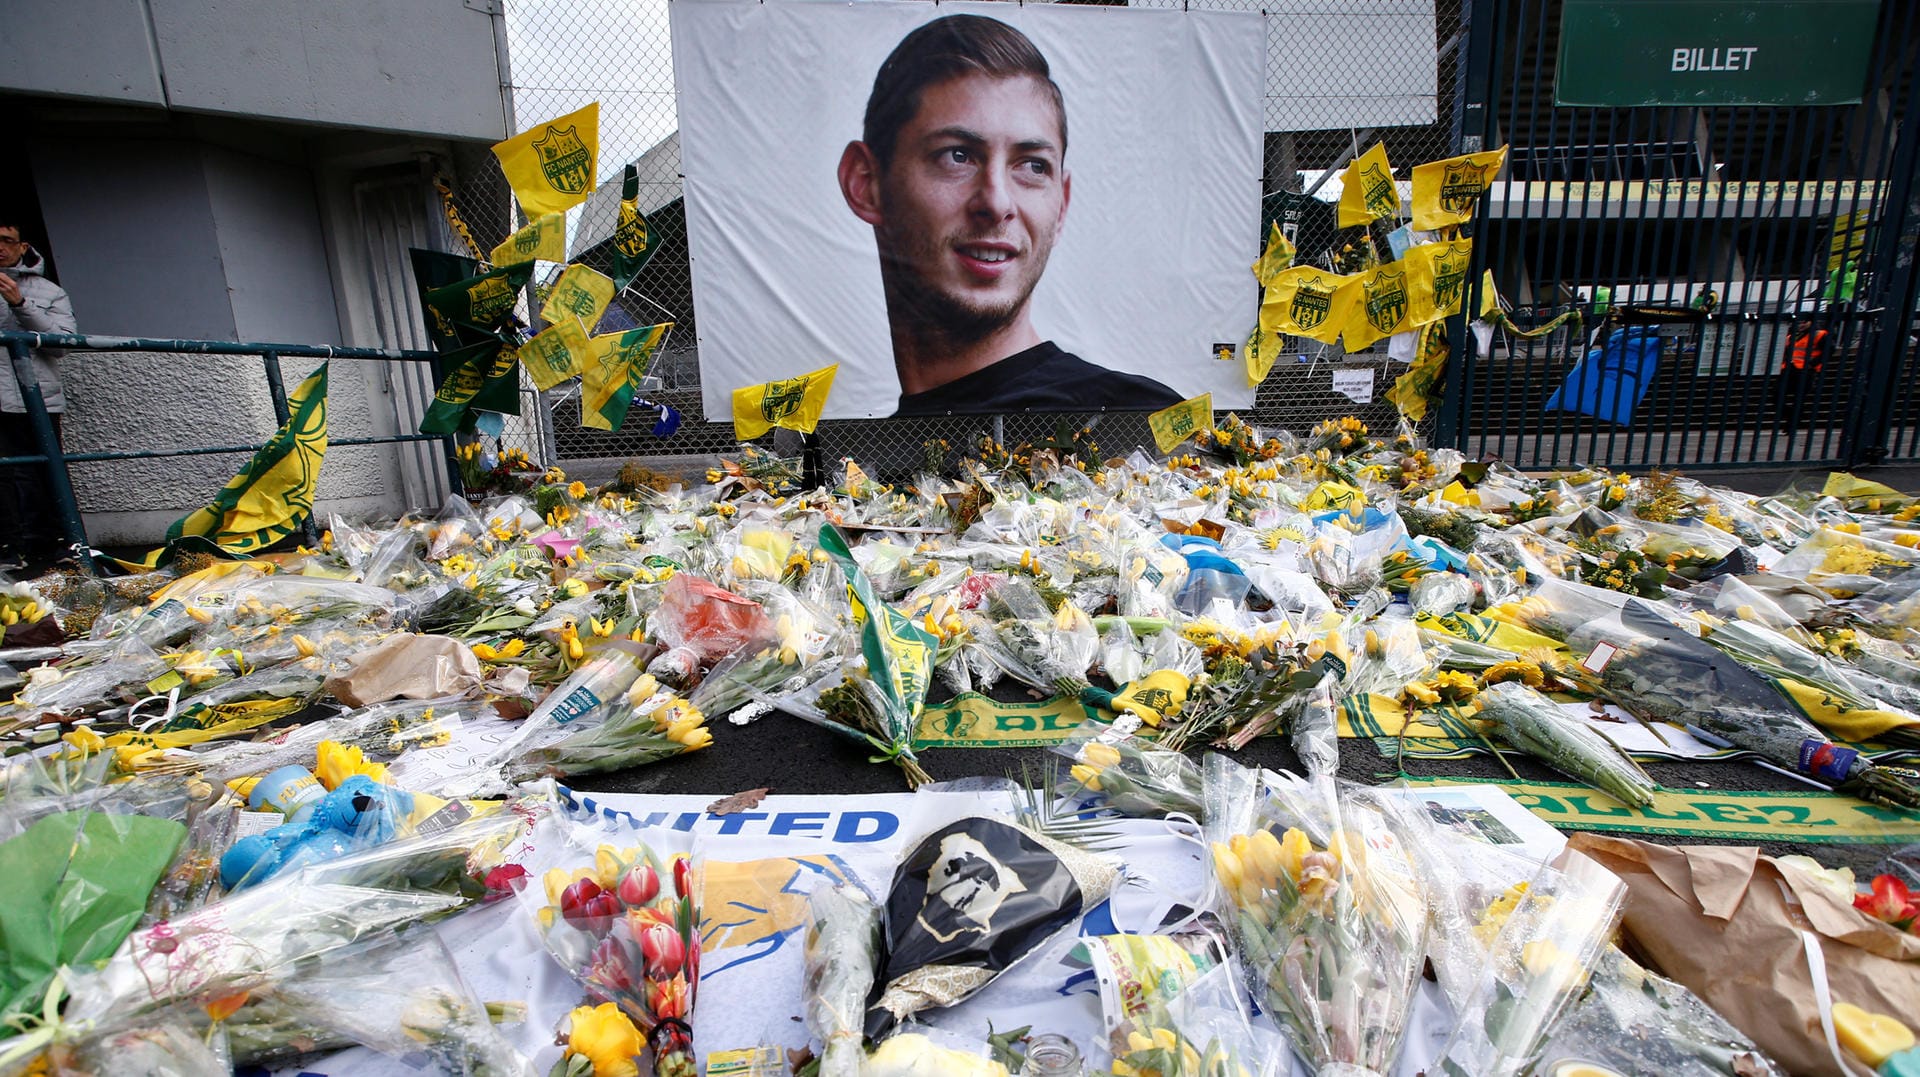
x: 10, y: 290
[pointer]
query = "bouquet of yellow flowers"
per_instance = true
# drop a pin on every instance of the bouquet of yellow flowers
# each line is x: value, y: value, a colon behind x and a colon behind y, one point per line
x: 1319, y: 886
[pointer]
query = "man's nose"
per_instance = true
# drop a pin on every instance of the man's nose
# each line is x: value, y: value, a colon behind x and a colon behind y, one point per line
x: 992, y: 193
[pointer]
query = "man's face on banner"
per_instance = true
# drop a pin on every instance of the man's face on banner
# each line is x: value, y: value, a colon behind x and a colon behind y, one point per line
x: 973, y: 200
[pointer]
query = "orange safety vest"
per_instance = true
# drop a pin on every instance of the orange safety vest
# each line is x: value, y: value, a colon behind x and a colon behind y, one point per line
x: 1797, y: 350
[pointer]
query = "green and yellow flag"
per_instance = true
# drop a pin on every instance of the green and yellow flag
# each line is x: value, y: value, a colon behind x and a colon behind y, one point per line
x: 633, y: 241
x: 273, y: 495
x: 1415, y: 391
x: 1258, y: 352
x: 793, y: 403
x: 469, y: 371
x: 582, y: 292
x: 617, y: 363
x: 1384, y: 304
x: 899, y: 653
x: 1444, y: 191
x: 544, y: 237
x: 1278, y: 256
x: 485, y: 301
x: 1173, y: 425
x: 1367, y: 191
x: 552, y: 166
x: 556, y: 353
x: 1437, y: 279
x: 1307, y: 302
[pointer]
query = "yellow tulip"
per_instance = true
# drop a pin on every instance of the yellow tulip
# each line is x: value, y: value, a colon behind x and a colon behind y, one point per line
x: 1099, y: 754
x: 1086, y: 776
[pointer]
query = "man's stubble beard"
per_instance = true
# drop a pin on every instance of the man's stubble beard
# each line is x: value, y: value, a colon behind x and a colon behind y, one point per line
x: 939, y: 321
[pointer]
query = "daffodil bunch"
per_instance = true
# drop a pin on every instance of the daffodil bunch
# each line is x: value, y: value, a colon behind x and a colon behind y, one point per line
x: 1132, y: 776
x: 645, y: 723
x: 626, y: 928
x: 1328, y: 907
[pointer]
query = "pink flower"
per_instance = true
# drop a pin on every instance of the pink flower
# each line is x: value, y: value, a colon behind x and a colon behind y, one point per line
x: 639, y: 885
x: 609, y: 969
x: 682, y: 876
x: 558, y: 546
x: 665, y: 952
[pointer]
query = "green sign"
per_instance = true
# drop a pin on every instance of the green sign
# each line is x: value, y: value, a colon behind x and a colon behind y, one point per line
x: 1627, y: 53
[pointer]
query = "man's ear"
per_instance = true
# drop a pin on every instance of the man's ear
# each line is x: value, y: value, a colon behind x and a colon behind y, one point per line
x: 860, y: 181
x: 1066, y: 198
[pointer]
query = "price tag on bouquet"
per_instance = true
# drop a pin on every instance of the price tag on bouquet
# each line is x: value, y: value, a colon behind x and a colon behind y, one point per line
x: 1597, y: 659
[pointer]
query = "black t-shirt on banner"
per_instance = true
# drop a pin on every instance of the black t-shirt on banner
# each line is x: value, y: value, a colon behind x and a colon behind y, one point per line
x: 1042, y: 378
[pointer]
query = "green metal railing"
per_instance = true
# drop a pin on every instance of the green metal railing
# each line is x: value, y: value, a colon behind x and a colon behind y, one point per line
x: 20, y: 347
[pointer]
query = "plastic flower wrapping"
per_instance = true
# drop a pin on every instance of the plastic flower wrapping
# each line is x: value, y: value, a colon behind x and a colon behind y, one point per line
x: 242, y: 798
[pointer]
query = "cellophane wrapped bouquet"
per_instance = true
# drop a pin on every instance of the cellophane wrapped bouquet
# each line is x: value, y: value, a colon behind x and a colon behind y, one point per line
x: 1320, y: 888
x: 618, y: 913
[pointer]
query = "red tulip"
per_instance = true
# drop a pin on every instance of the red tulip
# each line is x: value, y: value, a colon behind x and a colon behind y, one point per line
x: 587, y: 907
x: 609, y: 969
x: 664, y: 950
x: 682, y: 876
x: 639, y: 885
x: 1890, y: 901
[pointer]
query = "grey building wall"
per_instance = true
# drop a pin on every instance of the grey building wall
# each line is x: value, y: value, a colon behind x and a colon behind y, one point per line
x: 413, y: 66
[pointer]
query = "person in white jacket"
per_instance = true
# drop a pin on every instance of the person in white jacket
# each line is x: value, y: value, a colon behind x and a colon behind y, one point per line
x: 34, y: 304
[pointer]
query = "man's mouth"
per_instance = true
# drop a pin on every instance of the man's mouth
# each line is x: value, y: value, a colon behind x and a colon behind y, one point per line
x: 989, y: 254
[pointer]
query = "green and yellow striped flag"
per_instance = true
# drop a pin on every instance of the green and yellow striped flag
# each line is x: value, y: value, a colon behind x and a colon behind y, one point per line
x: 272, y: 496
x: 615, y: 365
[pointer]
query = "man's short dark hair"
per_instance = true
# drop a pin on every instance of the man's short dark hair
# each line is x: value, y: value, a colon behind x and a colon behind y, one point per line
x: 943, y: 49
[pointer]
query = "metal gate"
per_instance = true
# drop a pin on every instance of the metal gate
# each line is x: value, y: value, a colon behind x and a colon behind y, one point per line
x: 1705, y: 242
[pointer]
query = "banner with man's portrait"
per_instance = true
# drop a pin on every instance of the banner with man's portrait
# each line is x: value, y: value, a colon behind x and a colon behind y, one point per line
x: 971, y: 207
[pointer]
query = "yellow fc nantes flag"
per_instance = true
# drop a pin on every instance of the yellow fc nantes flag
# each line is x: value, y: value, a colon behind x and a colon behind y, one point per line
x: 582, y: 292
x: 1383, y: 305
x: 1367, y: 189
x: 1173, y: 425
x: 793, y: 403
x: 1437, y: 279
x: 556, y: 353
x: 552, y: 166
x: 1444, y: 191
x: 545, y: 238
x: 1277, y: 256
x: 1258, y: 352
x: 273, y: 495
x: 1307, y: 302
x: 1415, y: 391
x: 613, y: 373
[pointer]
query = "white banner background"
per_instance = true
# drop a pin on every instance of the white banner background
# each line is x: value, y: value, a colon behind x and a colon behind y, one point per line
x: 1164, y: 146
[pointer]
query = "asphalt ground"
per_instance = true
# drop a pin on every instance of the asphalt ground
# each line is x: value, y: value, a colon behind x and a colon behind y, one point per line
x: 788, y: 755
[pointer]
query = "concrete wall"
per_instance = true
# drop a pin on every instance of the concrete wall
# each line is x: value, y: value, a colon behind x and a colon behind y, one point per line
x: 413, y: 66
x: 189, y: 237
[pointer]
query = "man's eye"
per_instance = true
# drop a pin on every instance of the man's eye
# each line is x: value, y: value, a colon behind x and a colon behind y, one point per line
x: 1038, y: 166
x: 956, y: 156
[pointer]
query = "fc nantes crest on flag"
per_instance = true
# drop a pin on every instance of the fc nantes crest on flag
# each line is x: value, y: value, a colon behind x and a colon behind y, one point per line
x: 794, y: 403
x: 1173, y: 425
x: 582, y: 292
x: 1367, y: 191
x: 614, y: 369
x: 470, y: 371
x: 1386, y: 306
x: 1437, y: 276
x: 1444, y: 191
x: 1307, y: 302
x: 273, y: 495
x: 556, y: 353
x: 633, y: 242
x: 552, y: 166
x: 1278, y: 256
x: 545, y: 238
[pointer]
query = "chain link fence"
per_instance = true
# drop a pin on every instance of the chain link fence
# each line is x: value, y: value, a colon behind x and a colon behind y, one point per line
x: 564, y: 54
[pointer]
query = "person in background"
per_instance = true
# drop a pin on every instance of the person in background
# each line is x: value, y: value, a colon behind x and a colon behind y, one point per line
x: 1806, y: 352
x: 29, y: 527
